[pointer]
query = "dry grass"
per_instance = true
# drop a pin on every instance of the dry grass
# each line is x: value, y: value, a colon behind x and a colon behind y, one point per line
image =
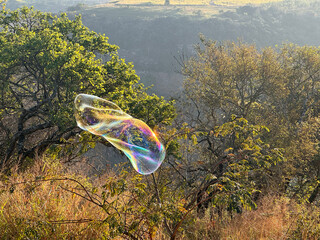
x: 203, y: 8
x: 40, y: 209
x: 275, y: 218
x: 272, y: 220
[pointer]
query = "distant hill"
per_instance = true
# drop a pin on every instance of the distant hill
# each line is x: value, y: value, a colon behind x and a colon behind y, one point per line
x: 52, y: 5
x: 152, y: 37
x: 199, y: 2
x: 76, y: 5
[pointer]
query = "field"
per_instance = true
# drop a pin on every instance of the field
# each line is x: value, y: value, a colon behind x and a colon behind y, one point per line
x: 200, y: 8
x: 243, y: 2
x: 196, y: 2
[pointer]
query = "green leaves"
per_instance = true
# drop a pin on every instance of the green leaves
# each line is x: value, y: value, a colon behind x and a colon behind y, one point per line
x: 45, y: 62
x: 130, y: 205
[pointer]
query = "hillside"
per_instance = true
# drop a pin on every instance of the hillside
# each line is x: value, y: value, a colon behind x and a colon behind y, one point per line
x: 61, y: 5
x: 226, y: 3
x: 87, y: 153
x: 153, y: 37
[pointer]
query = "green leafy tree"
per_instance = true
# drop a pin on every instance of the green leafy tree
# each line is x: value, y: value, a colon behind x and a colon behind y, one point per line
x: 276, y: 88
x: 224, y: 169
x: 305, y: 162
x: 262, y: 86
x: 45, y: 62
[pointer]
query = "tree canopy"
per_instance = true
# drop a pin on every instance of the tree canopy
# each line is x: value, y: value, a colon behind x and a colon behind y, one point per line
x: 45, y: 61
x: 276, y: 88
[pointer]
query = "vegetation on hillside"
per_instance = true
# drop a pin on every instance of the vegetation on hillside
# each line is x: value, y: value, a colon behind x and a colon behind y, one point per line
x: 75, y: 5
x: 158, y: 35
x: 242, y: 140
x: 277, y: 89
x: 197, y: 2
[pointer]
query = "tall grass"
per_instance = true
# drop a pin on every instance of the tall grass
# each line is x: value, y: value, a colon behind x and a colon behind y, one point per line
x: 275, y: 218
x: 34, y: 207
x: 42, y: 203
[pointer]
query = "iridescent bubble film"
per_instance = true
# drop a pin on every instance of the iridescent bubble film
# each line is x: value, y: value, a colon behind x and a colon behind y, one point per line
x: 130, y: 135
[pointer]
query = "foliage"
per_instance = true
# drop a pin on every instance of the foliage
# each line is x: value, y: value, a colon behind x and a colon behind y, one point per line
x: 198, y: 2
x: 247, y: 138
x: 304, y: 153
x: 276, y: 89
x: 239, y: 79
x: 153, y: 54
x: 45, y: 61
x: 233, y: 164
x: 78, y: 7
x: 59, y: 204
x: 46, y: 201
x: 3, y: 4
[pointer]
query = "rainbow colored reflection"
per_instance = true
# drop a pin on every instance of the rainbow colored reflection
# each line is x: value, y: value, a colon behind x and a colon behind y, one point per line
x: 130, y: 135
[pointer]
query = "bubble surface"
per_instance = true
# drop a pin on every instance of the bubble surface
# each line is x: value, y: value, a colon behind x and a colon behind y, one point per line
x: 132, y: 136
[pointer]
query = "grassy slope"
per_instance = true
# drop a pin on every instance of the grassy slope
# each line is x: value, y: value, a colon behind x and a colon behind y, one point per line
x: 199, y: 2
x: 207, y: 8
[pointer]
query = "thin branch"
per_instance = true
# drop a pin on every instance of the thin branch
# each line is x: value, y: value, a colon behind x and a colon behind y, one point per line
x: 74, y: 221
x: 159, y: 201
x: 89, y: 198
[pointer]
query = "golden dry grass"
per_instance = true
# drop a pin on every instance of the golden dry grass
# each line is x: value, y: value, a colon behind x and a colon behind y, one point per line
x: 275, y: 218
x: 43, y: 210
x: 202, y: 8
x: 272, y: 220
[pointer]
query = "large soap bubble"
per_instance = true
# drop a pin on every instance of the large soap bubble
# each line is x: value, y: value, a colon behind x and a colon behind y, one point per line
x: 130, y: 135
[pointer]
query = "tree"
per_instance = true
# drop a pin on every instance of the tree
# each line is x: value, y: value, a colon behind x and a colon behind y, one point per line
x: 278, y: 89
x: 239, y: 79
x: 45, y: 62
x: 230, y: 78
